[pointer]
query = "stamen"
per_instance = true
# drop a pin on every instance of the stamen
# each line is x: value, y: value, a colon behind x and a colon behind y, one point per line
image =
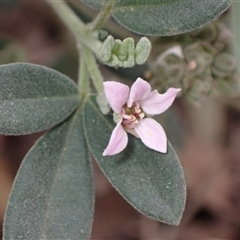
x: 132, y: 115
x: 137, y: 110
x: 125, y: 116
x: 133, y: 118
x: 141, y: 115
x: 135, y: 122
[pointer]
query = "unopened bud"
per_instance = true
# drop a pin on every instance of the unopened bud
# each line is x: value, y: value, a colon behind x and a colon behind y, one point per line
x: 225, y: 62
x: 175, y: 50
x: 228, y: 87
x: 200, y: 88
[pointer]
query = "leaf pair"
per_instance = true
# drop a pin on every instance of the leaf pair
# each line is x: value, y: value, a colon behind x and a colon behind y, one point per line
x: 53, y: 197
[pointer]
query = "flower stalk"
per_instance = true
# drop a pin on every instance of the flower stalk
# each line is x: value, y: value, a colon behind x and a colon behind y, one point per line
x: 87, y: 44
x: 93, y: 70
x: 83, y: 78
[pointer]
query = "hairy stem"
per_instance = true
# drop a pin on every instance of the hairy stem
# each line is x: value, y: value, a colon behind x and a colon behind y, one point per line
x: 94, y: 70
x: 87, y: 45
x: 102, y: 16
x: 83, y: 78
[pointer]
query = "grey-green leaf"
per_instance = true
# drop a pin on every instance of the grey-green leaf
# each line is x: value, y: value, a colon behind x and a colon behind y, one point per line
x: 52, y: 197
x: 34, y: 98
x: 164, y: 17
x: 152, y: 182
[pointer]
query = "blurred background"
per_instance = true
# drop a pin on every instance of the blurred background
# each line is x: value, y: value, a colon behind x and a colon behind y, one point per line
x: 203, y: 124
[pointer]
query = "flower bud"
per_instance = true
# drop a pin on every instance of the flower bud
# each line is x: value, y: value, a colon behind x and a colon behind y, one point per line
x: 200, y: 88
x: 196, y: 53
x: 228, y: 87
x: 207, y: 33
x: 224, y: 65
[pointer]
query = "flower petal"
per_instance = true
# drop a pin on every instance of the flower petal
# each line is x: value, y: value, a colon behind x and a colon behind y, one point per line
x: 116, y: 94
x: 157, y: 103
x: 118, y: 141
x: 139, y: 90
x: 152, y: 134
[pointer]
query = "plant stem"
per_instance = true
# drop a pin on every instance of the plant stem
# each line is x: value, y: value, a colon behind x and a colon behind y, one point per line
x: 93, y: 70
x: 75, y: 25
x: 102, y: 16
x: 87, y: 45
x: 83, y: 78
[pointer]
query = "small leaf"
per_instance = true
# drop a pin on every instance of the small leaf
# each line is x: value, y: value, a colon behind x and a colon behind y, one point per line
x: 123, y: 53
x: 52, y: 197
x: 152, y: 182
x: 164, y: 17
x: 142, y: 51
x: 34, y: 98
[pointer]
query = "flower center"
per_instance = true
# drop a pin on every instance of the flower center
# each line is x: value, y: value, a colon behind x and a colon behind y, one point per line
x: 132, y: 115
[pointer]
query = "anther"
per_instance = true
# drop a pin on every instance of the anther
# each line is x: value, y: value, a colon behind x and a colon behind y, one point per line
x: 141, y: 115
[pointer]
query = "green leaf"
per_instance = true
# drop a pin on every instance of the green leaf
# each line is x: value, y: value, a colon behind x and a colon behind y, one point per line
x: 152, y: 182
x: 52, y: 197
x: 34, y: 98
x: 164, y: 17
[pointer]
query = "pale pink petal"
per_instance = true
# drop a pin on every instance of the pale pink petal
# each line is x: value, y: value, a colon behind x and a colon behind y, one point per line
x: 157, y: 103
x: 139, y: 90
x: 116, y: 94
x: 118, y: 141
x: 152, y: 134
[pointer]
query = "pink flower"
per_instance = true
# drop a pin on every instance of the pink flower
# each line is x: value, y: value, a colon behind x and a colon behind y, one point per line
x: 132, y: 111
